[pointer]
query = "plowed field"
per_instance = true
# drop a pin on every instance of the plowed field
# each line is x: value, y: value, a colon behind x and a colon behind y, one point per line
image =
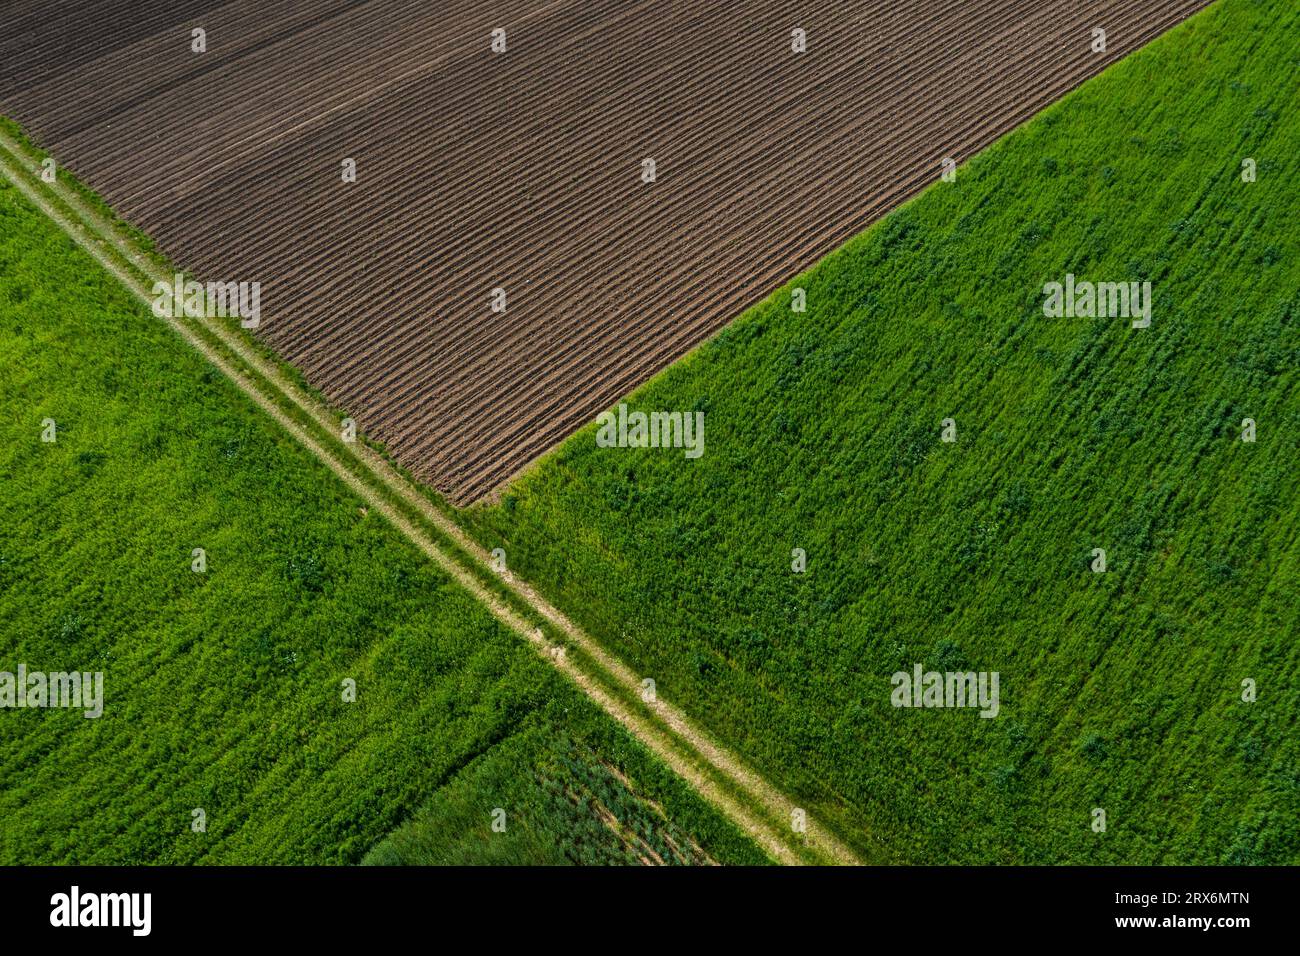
x: 523, y: 170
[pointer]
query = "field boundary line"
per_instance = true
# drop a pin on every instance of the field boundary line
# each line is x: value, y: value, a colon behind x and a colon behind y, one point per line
x: 719, y: 760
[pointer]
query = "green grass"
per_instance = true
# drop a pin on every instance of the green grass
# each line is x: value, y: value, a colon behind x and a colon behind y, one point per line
x: 224, y: 689
x: 1121, y: 690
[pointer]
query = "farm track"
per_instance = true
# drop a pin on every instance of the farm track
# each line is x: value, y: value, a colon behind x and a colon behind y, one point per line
x: 666, y: 732
x: 522, y: 170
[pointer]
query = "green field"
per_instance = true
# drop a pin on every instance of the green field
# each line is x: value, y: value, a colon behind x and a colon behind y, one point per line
x: 224, y: 690
x: 1120, y: 691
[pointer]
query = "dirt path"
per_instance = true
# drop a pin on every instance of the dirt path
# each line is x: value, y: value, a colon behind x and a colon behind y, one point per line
x: 669, y: 735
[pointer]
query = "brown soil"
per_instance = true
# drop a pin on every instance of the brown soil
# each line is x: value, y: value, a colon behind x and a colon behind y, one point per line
x: 522, y: 170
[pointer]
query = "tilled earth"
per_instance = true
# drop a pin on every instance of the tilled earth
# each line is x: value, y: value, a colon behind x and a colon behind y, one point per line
x: 522, y: 170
